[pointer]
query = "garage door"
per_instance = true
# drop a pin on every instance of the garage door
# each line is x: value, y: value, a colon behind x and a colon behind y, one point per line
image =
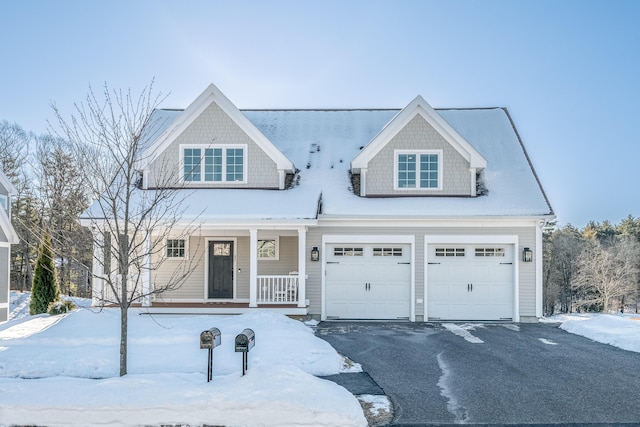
x: 470, y: 282
x: 368, y: 281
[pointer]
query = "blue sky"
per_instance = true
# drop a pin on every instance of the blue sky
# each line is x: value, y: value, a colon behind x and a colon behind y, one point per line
x: 568, y: 71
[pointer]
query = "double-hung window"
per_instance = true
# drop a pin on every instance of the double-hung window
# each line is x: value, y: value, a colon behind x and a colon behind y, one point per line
x: 418, y: 170
x: 176, y: 248
x: 214, y: 163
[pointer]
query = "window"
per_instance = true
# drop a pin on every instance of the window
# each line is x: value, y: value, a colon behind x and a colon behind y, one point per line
x: 268, y: 249
x: 348, y: 252
x: 387, y: 251
x: 450, y: 252
x: 419, y: 169
x: 489, y: 252
x: 176, y: 248
x: 3, y: 202
x: 217, y: 163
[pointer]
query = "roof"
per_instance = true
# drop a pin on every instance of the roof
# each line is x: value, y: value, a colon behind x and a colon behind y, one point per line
x: 322, y: 144
x: 419, y: 107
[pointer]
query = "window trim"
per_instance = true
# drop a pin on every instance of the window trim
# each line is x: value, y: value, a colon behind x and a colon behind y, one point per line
x: 276, y: 257
x: 166, y: 248
x: 396, y: 156
x: 224, y: 147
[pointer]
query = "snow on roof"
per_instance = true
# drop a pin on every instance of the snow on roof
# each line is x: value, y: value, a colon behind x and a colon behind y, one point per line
x: 322, y: 143
x: 513, y: 189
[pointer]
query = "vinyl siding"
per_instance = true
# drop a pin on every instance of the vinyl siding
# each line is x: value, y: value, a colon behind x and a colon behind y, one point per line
x: 526, y: 238
x: 418, y: 135
x: 194, y: 286
x: 4, y: 283
x: 214, y: 126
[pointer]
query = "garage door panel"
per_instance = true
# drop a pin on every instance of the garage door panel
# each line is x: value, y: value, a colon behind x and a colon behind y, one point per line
x: 470, y: 282
x: 368, y: 286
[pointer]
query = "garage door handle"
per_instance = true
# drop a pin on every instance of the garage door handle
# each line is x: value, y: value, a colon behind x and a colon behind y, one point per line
x: 333, y: 262
x: 407, y: 263
x: 434, y: 263
x: 506, y: 263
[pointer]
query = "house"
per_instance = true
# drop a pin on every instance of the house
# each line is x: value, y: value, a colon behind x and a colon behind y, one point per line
x: 8, y: 237
x: 412, y: 213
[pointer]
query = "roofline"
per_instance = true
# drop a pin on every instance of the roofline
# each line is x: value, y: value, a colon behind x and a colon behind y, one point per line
x: 418, y: 107
x: 526, y: 154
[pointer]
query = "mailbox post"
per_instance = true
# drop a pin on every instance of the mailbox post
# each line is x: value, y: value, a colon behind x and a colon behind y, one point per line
x: 245, y: 342
x: 210, y: 339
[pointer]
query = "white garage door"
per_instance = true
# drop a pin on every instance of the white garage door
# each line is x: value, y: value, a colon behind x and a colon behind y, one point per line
x: 470, y: 282
x: 368, y: 281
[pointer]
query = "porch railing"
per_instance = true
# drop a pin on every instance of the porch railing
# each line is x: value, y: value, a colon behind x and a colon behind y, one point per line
x: 278, y: 289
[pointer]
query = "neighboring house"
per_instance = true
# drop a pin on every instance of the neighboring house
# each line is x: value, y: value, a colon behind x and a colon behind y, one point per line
x: 415, y: 214
x: 8, y: 237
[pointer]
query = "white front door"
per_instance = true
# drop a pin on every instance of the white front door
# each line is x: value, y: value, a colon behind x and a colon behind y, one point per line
x: 368, y: 281
x: 470, y: 282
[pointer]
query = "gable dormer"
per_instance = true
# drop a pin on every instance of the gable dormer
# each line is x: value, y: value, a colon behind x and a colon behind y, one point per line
x: 417, y: 154
x: 212, y: 144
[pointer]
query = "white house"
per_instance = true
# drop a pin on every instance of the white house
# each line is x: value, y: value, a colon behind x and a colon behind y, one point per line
x: 8, y: 237
x: 411, y: 213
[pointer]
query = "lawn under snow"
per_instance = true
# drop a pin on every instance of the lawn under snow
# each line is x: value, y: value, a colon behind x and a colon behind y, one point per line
x: 63, y: 370
x: 619, y: 330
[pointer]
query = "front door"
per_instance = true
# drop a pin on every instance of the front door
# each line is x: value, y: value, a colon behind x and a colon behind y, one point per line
x: 221, y: 269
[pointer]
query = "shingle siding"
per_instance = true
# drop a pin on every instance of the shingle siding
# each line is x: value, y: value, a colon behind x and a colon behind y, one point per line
x: 214, y: 126
x: 418, y: 135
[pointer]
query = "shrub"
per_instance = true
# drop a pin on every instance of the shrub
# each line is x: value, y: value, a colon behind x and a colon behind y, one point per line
x: 45, y: 286
x: 60, y: 307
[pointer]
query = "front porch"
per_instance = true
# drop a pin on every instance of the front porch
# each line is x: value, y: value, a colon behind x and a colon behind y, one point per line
x: 232, y: 272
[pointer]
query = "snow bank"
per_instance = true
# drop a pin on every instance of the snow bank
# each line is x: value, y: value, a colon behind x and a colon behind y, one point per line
x: 67, y: 373
x: 622, y: 331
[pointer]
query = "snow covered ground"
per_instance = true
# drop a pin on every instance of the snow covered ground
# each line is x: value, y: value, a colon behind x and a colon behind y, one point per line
x: 63, y: 370
x: 619, y: 330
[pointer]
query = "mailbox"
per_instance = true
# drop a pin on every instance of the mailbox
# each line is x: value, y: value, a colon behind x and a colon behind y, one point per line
x: 210, y: 338
x: 245, y: 341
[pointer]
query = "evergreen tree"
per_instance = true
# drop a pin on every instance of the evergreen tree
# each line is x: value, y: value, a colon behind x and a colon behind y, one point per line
x: 45, y: 285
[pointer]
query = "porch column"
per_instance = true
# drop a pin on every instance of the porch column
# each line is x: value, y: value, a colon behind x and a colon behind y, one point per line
x: 302, y: 270
x: 253, y: 267
x: 145, y: 273
x: 97, y: 268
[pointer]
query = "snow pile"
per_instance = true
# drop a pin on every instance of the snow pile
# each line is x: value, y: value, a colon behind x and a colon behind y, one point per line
x: 66, y: 373
x: 622, y: 330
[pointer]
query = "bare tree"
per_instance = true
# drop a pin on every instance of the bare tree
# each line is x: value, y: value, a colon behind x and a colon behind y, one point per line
x: 14, y: 147
x: 130, y: 224
x: 606, y: 273
x: 26, y: 208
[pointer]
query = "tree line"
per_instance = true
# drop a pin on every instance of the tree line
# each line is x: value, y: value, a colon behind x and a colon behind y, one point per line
x: 593, y: 269
x: 51, y: 194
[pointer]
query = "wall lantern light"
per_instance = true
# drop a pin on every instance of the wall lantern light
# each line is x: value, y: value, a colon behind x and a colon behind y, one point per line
x: 527, y: 255
x: 315, y: 254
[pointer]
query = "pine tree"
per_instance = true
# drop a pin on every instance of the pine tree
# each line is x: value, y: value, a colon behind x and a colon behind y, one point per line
x: 45, y: 285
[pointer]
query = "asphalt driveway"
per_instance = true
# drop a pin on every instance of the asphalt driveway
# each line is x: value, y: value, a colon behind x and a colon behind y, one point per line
x: 492, y: 373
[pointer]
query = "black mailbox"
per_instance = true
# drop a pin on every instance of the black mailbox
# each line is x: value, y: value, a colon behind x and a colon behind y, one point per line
x: 245, y: 342
x: 210, y: 338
